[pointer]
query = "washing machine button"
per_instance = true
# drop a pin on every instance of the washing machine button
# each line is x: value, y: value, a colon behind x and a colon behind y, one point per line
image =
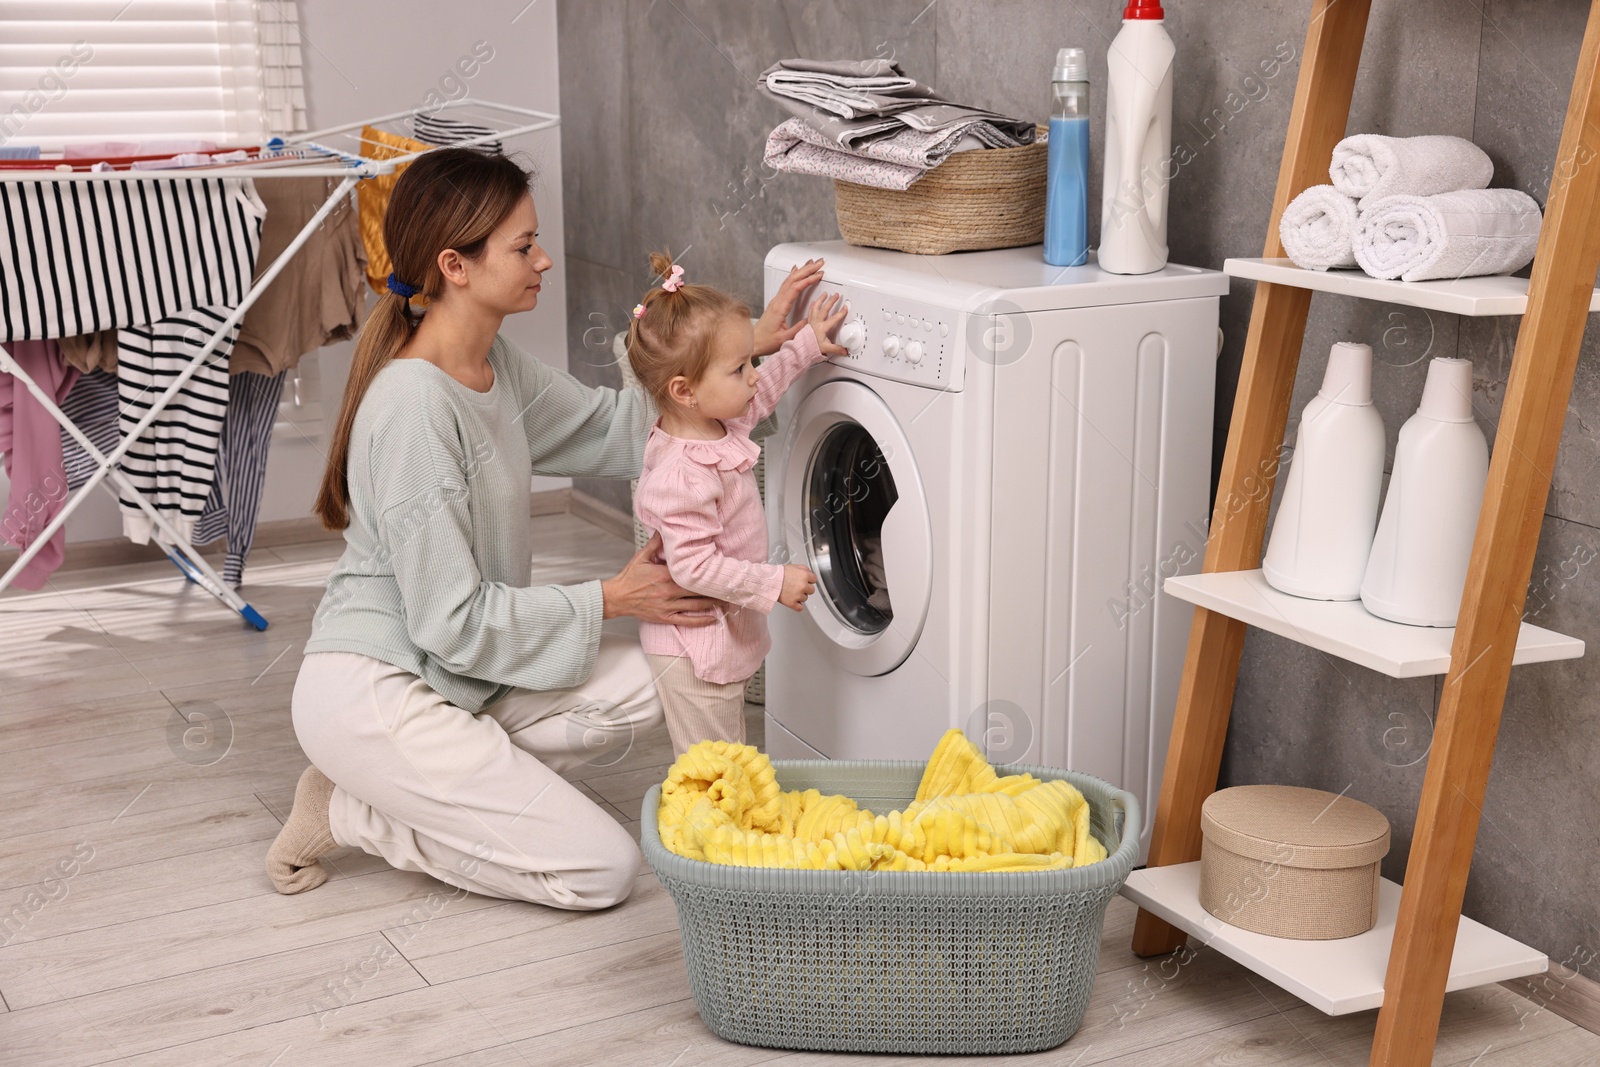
x: 914, y: 352
x: 853, y: 335
x: 891, y: 346
x: 944, y: 330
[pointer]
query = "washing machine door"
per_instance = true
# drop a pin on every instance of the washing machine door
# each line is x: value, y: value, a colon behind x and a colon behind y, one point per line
x: 855, y: 513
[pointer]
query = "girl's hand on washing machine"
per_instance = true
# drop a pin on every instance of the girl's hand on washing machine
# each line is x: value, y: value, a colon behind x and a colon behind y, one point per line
x: 824, y: 318
x: 798, y: 583
x: 772, y: 328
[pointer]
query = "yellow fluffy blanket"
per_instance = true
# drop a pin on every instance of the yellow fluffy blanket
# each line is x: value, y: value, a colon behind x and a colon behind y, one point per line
x: 721, y: 803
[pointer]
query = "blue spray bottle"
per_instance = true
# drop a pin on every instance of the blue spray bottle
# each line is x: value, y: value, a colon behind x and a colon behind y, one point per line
x: 1066, y: 212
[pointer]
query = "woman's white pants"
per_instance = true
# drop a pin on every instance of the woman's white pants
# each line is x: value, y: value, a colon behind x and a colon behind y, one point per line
x: 478, y: 801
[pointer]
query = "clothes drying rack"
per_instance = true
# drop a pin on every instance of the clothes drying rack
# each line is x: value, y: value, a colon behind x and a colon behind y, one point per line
x: 338, y: 152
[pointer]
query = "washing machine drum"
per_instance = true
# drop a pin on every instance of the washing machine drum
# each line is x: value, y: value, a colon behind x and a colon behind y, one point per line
x: 855, y: 513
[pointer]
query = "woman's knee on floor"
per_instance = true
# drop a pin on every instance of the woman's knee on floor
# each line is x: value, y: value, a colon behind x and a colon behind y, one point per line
x: 605, y: 873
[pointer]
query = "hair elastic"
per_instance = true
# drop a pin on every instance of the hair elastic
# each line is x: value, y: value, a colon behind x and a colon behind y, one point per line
x: 400, y: 288
x: 638, y: 311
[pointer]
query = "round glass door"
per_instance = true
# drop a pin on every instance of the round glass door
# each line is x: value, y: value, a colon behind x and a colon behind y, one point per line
x: 849, y: 491
x: 855, y: 513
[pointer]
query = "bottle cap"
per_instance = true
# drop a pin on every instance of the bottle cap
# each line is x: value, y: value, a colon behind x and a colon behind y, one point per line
x: 1072, y: 65
x: 1447, y: 394
x: 1348, y: 379
x: 1143, y: 9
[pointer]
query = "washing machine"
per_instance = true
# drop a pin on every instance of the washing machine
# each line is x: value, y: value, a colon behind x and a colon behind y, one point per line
x: 990, y: 487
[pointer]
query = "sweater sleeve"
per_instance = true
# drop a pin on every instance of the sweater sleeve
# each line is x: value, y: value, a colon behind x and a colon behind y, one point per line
x: 680, y: 500
x: 538, y: 637
x: 778, y: 372
x: 575, y: 429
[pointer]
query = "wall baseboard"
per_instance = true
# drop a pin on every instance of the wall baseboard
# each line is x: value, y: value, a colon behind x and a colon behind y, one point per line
x: 119, y: 551
x: 1564, y: 992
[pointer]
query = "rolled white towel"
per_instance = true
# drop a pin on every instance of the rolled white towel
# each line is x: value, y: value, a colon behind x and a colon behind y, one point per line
x: 1318, y: 229
x: 1370, y: 166
x: 1448, y: 235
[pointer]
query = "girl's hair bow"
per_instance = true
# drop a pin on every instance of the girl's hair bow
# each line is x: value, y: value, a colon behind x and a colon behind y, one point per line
x: 674, y: 279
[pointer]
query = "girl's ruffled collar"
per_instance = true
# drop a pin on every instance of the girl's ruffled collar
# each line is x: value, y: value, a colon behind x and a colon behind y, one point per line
x: 730, y: 452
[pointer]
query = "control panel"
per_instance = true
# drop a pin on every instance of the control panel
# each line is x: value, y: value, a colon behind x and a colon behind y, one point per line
x: 898, y: 339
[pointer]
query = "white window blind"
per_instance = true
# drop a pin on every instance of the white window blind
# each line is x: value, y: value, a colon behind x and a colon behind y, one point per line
x: 226, y: 71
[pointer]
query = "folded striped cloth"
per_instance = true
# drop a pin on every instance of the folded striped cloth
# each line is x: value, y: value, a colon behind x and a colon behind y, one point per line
x: 895, y: 161
x: 438, y: 131
x: 864, y: 121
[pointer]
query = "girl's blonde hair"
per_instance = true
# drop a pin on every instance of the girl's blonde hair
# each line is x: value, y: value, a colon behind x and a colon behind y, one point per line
x: 449, y: 198
x: 675, y: 334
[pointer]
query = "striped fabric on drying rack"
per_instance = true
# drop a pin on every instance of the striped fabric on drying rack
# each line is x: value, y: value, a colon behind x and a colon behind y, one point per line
x: 163, y: 261
x: 88, y: 256
x: 434, y: 130
x: 174, y: 462
x: 92, y: 407
x: 236, y: 497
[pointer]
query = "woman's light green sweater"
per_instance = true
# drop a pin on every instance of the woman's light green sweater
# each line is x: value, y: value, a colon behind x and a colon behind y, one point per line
x: 439, y: 550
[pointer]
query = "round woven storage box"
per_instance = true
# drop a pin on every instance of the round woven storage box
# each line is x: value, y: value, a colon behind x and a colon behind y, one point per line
x: 984, y: 198
x: 1291, y: 862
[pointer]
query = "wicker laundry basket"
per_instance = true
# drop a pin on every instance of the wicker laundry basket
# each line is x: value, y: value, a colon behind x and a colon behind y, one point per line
x: 985, y: 198
x: 895, y: 961
x: 755, y: 690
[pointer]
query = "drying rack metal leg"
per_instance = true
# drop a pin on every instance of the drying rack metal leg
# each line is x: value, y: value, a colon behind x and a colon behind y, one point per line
x: 192, y: 565
x: 187, y: 560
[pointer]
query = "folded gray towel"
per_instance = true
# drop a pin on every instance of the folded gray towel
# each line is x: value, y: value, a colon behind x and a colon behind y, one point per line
x: 851, y: 101
x: 896, y: 160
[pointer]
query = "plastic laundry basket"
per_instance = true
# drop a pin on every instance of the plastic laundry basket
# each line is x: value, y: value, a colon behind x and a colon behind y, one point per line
x: 895, y: 961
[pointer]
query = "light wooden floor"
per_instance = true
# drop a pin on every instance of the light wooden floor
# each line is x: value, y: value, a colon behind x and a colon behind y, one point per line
x: 167, y: 945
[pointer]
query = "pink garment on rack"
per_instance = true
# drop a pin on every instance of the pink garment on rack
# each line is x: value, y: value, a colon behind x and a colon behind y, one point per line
x: 170, y: 146
x: 30, y: 437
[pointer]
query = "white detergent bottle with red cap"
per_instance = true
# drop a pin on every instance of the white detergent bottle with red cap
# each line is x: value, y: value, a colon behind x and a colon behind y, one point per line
x: 1138, y: 151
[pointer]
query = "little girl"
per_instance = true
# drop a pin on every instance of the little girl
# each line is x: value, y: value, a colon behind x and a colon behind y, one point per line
x: 691, y: 346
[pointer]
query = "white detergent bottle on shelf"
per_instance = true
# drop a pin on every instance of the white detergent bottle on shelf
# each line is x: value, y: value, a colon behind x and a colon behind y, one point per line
x: 1418, y: 565
x: 1138, y: 151
x: 1323, y: 533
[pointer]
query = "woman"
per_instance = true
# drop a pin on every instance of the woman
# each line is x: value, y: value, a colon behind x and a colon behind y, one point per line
x: 441, y: 696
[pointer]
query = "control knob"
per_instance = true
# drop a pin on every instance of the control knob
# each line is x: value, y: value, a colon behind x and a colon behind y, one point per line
x: 853, y: 335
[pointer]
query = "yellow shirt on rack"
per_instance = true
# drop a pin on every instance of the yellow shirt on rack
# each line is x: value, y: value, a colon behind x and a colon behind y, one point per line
x: 372, y: 197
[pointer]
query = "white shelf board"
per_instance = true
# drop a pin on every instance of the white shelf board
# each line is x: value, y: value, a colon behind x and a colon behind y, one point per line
x: 1495, y: 294
x: 1335, y: 977
x: 1346, y: 629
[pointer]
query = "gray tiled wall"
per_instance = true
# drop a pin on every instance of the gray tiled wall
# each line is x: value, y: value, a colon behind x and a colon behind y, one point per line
x: 662, y: 142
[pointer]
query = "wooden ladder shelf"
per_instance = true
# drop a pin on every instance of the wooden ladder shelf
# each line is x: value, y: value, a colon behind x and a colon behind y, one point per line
x: 1558, y: 301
